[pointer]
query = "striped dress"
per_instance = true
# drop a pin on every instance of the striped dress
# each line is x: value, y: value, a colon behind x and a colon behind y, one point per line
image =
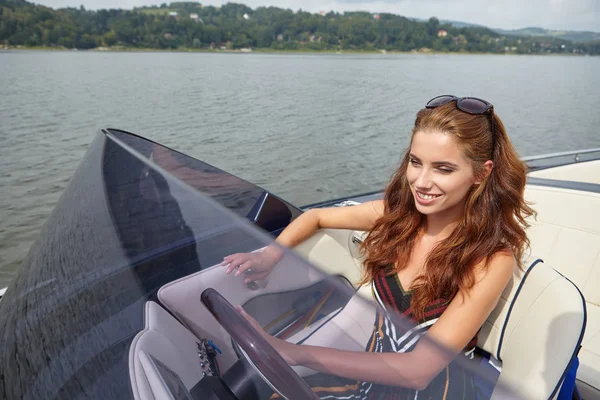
x: 454, y: 382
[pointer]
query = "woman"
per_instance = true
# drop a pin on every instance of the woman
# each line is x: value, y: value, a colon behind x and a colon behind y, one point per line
x: 442, y: 246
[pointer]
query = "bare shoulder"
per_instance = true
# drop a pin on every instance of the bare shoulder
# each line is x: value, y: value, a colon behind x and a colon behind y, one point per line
x: 491, y: 279
x: 471, y: 306
x: 501, y: 264
x: 358, y: 217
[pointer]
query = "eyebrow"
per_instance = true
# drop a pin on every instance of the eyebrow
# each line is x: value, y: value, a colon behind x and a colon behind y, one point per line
x: 436, y: 163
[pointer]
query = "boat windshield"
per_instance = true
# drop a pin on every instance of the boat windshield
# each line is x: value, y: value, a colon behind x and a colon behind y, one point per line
x: 140, y: 228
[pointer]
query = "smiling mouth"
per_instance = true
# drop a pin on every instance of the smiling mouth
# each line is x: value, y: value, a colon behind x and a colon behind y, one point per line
x: 427, y: 196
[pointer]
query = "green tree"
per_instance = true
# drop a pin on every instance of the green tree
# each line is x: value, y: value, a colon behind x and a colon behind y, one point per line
x: 110, y: 38
x: 24, y: 23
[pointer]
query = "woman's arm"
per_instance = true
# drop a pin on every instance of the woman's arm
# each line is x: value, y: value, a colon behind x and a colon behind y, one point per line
x: 359, y: 217
x: 445, y: 339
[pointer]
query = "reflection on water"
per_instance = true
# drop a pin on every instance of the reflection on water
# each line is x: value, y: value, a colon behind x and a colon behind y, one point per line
x: 307, y: 127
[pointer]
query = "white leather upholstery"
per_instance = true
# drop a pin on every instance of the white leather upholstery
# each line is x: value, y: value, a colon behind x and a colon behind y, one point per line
x: 169, y: 342
x: 333, y: 251
x: 589, y: 356
x: 182, y: 298
x: 567, y: 232
x: 588, y: 171
x: 534, y: 330
x: 349, y: 330
x: 535, y: 342
x: 491, y: 331
x: 337, y: 252
x: 541, y: 334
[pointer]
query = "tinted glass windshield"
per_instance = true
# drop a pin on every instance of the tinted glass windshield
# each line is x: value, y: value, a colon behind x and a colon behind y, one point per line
x: 135, y: 219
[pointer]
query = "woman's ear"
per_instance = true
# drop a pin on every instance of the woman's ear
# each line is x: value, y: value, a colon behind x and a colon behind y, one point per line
x: 486, y: 171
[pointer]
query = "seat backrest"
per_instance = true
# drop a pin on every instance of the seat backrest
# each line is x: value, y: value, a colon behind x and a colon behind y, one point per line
x: 536, y: 331
x: 163, y: 348
x: 567, y: 234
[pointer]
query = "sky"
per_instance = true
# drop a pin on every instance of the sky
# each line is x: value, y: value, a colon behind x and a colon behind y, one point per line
x: 505, y: 14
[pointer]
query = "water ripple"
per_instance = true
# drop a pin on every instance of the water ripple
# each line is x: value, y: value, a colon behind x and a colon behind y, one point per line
x: 307, y: 127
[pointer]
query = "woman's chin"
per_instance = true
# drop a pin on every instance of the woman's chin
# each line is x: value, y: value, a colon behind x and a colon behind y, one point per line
x: 425, y: 210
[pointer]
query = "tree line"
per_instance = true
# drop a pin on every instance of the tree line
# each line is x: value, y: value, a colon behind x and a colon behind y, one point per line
x: 237, y: 26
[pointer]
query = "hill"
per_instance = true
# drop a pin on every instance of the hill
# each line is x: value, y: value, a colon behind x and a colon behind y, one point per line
x: 191, y: 25
x: 573, y: 36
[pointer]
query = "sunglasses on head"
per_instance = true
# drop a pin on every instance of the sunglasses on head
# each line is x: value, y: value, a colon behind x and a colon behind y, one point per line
x: 470, y: 105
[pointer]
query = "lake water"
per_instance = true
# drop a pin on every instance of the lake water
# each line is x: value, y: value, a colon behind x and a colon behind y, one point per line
x: 306, y: 127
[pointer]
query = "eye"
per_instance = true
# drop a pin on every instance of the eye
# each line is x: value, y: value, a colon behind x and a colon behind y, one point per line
x: 445, y: 170
x: 414, y: 162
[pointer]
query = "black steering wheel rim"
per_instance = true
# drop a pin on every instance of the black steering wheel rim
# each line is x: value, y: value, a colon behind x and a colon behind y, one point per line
x: 257, y: 350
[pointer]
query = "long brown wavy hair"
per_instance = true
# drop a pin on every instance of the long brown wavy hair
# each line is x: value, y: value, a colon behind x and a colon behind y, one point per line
x: 493, y: 220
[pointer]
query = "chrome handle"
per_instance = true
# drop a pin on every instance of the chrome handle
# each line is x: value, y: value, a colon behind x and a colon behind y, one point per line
x: 356, y: 239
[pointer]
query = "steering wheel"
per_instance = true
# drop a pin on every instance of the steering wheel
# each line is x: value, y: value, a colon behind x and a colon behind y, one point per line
x: 258, y: 352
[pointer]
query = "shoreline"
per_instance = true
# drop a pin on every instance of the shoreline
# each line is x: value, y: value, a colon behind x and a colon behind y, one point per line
x: 123, y: 49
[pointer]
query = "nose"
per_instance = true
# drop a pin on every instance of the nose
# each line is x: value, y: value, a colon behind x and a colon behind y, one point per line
x: 423, y: 181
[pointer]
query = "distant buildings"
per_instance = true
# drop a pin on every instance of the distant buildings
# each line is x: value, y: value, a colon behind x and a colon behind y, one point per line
x: 172, y: 13
x: 442, y: 33
x: 246, y: 16
x: 196, y: 18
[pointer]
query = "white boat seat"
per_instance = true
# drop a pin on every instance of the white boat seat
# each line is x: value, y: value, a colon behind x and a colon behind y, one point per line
x: 350, y: 329
x: 165, y: 339
x: 516, y: 339
x: 536, y: 331
x: 589, y: 356
x: 565, y: 234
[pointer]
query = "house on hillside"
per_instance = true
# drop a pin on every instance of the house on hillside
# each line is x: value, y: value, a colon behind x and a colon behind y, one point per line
x: 442, y: 33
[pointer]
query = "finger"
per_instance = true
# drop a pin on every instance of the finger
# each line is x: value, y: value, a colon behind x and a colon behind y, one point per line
x: 243, y: 267
x: 230, y: 267
x: 250, y: 319
x: 227, y: 259
x: 245, y: 314
x: 234, y: 263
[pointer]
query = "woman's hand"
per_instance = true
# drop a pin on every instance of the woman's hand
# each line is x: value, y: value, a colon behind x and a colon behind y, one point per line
x: 256, y: 266
x: 285, y: 349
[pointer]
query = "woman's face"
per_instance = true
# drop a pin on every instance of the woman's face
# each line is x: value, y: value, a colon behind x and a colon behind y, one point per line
x: 439, y: 174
